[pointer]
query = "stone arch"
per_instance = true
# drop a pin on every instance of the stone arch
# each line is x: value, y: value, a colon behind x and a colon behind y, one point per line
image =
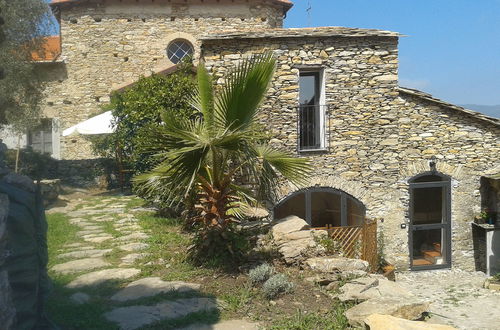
x: 322, y: 206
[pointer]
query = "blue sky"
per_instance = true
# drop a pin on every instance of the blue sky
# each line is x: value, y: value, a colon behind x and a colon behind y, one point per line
x: 452, y: 48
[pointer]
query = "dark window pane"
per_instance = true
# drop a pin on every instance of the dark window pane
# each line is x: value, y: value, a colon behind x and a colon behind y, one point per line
x: 179, y: 49
x: 325, y: 209
x: 429, y: 178
x: 295, y: 205
x: 309, y: 110
x: 427, y: 205
x: 428, y: 247
x: 309, y: 88
x: 355, y: 213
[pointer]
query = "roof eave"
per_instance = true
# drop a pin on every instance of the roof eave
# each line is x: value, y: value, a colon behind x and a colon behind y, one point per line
x: 430, y: 98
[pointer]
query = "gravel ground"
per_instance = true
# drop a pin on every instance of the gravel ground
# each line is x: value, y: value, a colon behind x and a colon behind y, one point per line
x: 457, y: 297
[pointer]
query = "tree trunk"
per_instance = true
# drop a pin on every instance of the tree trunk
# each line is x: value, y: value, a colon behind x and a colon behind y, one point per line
x: 17, y: 154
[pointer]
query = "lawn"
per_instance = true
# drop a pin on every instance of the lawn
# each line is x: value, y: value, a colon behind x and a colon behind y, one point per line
x: 307, y: 307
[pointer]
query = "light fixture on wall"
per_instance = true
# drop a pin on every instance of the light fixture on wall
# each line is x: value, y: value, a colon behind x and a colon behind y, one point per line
x: 433, y: 163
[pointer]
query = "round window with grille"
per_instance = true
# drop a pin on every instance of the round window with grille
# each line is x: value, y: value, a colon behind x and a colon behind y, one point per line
x: 179, y: 49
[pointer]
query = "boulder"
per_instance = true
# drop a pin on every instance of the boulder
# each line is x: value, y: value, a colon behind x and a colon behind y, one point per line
x: 409, y: 309
x: 294, y: 240
x: 365, y: 288
x: 387, y: 322
x: 338, y: 264
x: 50, y: 190
x: 288, y: 225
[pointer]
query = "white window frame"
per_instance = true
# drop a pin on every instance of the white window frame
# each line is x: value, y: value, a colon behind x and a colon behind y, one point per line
x: 321, y: 106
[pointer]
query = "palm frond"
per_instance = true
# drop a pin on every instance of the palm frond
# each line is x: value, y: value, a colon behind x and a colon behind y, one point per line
x: 203, y: 96
x: 245, y: 88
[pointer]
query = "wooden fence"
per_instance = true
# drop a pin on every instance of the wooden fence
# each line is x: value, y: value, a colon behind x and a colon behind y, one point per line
x: 357, y: 241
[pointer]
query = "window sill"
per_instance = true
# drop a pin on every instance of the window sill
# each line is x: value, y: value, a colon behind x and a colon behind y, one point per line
x: 319, y: 150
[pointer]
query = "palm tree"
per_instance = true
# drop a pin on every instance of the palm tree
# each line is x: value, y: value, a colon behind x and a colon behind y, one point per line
x: 207, y: 156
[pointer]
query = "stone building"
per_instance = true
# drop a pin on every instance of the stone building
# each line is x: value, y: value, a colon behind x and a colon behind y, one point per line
x: 379, y: 150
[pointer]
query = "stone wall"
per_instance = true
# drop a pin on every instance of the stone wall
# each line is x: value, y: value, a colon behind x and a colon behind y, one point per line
x: 106, y: 45
x: 377, y: 139
x: 7, y: 311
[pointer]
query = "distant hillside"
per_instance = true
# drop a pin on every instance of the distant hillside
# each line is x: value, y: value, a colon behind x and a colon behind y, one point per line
x: 489, y: 110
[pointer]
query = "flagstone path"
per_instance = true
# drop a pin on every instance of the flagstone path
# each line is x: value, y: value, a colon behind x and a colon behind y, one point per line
x: 107, y: 228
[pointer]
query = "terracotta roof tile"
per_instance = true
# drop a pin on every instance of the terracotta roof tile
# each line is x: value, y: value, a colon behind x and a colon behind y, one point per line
x: 50, y: 49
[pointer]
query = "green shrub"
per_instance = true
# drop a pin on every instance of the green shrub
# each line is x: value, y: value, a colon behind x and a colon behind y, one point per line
x: 331, y: 246
x: 260, y: 274
x: 31, y: 163
x: 276, y: 285
x: 138, y: 109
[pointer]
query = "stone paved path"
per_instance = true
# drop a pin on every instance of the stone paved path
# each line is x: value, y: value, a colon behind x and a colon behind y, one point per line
x: 457, y: 298
x: 107, y: 228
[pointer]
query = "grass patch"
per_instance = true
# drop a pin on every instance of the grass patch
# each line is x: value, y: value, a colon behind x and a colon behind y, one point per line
x: 167, y: 249
x: 334, y: 319
x: 208, y: 317
x: 59, y: 233
x: 238, y: 300
x: 70, y: 316
x: 135, y: 202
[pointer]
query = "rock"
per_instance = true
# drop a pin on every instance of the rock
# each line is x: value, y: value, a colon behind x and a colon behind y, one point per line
x: 101, y: 276
x: 134, y: 247
x: 332, y: 286
x: 80, y: 298
x: 398, y: 307
x: 340, y: 264
x: 294, y: 240
x: 94, y: 253
x: 387, y: 322
x: 255, y: 212
x: 150, y: 286
x: 97, y: 239
x: 130, y: 259
x: 133, y: 317
x: 133, y: 236
x: 76, y: 266
x: 288, y: 225
x: 50, y: 190
x: 224, y: 325
x: 365, y: 288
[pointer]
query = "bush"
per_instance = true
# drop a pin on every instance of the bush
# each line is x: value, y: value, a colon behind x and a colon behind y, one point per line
x: 277, y: 285
x: 215, y: 248
x: 33, y: 164
x: 137, y: 110
x: 260, y: 274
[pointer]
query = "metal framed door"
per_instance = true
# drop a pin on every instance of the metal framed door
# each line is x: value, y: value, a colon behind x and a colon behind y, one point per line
x: 430, y: 225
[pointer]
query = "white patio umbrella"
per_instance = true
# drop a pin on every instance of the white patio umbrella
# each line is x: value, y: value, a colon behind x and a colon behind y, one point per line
x: 100, y: 124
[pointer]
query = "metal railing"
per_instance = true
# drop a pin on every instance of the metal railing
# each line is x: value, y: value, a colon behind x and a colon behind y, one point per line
x: 311, y: 125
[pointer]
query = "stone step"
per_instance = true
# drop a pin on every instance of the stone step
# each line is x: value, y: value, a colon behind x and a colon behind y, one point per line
x: 134, y: 317
x: 94, y: 253
x: 102, y: 276
x: 76, y: 266
x: 151, y: 286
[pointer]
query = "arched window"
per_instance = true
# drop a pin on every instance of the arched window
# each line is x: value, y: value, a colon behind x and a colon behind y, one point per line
x: 430, y: 221
x: 321, y: 206
x: 179, y: 49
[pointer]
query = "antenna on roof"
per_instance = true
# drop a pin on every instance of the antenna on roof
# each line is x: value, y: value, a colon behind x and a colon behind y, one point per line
x: 309, y: 8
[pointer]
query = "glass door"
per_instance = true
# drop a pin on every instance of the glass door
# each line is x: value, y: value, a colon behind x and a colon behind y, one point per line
x: 430, y: 225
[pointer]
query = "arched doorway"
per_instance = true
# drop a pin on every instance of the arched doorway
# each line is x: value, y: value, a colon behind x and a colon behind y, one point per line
x: 322, y: 206
x: 430, y: 221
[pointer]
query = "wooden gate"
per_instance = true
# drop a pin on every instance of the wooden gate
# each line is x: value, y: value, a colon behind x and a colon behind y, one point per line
x: 357, y: 241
